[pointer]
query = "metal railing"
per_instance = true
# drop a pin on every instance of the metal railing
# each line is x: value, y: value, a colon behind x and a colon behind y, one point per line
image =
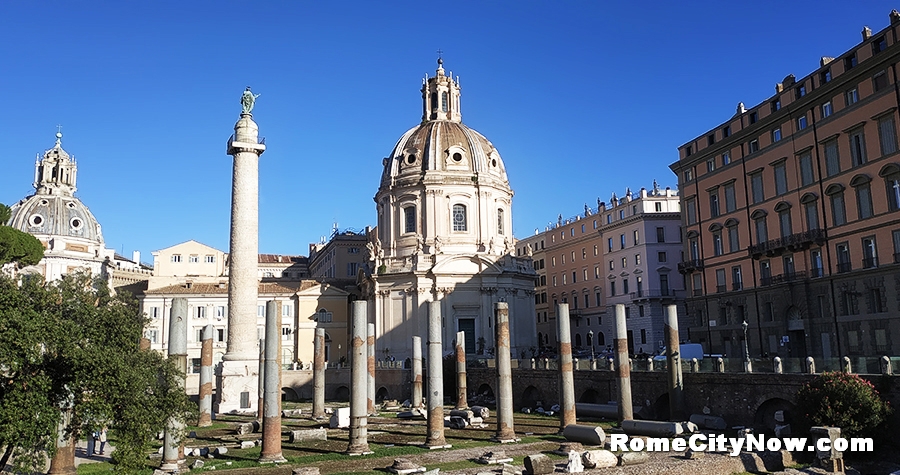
x: 690, y: 266
x: 794, y: 242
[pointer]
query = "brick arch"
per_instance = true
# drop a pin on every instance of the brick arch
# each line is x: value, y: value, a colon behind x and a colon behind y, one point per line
x: 530, y: 397
x: 764, y: 416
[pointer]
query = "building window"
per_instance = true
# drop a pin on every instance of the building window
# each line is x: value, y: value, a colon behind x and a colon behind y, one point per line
x: 352, y: 268
x: 838, y: 212
x: 691, y: 205
x: 730, y: 204
x: 726, y: 131
x: 892, y: 185
x: 895, y: 236
x: 720, y: 280
x: 765, y: 272
x: 832, y: 159
x: 637, y: 259
x: 688, y: 151
x: 815, y: 259
x: 287, y: 310
x: 850, y: 62
x: 694, y: 247
x: 200, y: 312
x: 784, y: 222
x: 780, y: 179
x: 753, y: 145
x: 209, y: 259
x: 409, y: 218
x: 443, y: 102
x: 879, y: 45
x: 612, y: 265
x: 801, y: 122
x: 625, y: 286
x: 714, y: 203
x: 762, y: 230
x: 788, y: 264
x: 176, y: 258
x: 621, y: 214
x: 596, y: 250
x: 887, y: 135
x: 852, y: 96
x: 664, y: 284
x: 776, y: 134
x: 812, y: 215
x: 624, y: 262
x: 801, y: 91
x: 717, y: 243
x: 660, y: 234
x: 726, y: 158
x: 843, y: 257
x: 827, y: 109
x: 621, y: 241
x: 734, y: 244
x: 776, y: 105
x: 806, y: 169
x: 661, y: 256
x: 857, y: 147
x: 194, y: 259
x: 737, y: 281
x: 711, y: 165
x: 500, y: 221
x: 459, y: 218
x: 152, y: 335
x: 879, y: 81
x: 636, y: 236
x: 825, y: 76
x: 864, y: 200
x: 870, y: 257
x: 260, y: 310
x: 756, y: 185
x: 612, y: 288
x: 609, y: 244
x: 754, y: 116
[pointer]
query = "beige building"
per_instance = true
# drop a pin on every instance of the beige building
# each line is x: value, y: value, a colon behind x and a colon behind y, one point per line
x: 444, y: 209
x: 341, y: 257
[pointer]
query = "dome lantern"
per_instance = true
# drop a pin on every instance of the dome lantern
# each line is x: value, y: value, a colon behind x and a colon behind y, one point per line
x: 440, y: 97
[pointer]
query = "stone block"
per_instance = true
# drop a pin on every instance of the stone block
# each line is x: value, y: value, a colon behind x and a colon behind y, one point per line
x: 291, y: 413
x: 752, y: 462
x: 689, y: 427
x: 652, y: 428
x: 708, y: 422
x: 248, y: 444
x: 220, y: 450
x: 247, y: 428
x: 340, y: 418
x: 574, y: 464
x: 197, y: 464
x: 203, y: 452
x: 539, y: 464
x: 831, y: 433
x: 301, y: 435
x: 599, y: 459
x: 481, y: 411
x: 590, y: 435
x: 633, y: 458
x: 402, y: 466
x: 776, y: 461
x: 494, y: 457
x: 457, y: 422
x: 305, y: 471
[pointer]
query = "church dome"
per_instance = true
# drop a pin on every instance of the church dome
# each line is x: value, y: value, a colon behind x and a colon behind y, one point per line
x: 54, y: 211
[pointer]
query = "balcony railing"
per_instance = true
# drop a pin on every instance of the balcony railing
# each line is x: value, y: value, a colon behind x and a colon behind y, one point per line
x: 844, y: 267
x: 737, y: 285
x: 794, y: 242
x: 787, y: 277
x: 656, y: 294
x: 870, y: 262
x: 687, y: 267
x: 697, y: 292
x: 721, y: 288
x: 816, y: 272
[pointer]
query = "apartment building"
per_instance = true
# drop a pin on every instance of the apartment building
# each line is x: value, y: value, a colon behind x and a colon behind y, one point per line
x: 790, y: 211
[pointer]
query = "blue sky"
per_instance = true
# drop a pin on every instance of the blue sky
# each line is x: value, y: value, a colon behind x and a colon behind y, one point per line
x: 581, y: 98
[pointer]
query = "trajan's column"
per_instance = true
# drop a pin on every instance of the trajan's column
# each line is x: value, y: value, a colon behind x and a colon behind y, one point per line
x: 239, y: 372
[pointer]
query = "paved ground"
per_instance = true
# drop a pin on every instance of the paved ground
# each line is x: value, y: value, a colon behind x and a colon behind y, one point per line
x: 81, y: 455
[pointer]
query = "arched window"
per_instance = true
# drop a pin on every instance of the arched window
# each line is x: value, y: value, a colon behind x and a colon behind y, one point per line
x: 409, y: 219
x: 500, y: 221
x: 444, y: 101
x: 578, y: 340
x: 891, y: 175
x: 459, y: 218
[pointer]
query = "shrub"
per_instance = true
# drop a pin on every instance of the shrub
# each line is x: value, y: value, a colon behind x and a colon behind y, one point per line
x: 843, y: 400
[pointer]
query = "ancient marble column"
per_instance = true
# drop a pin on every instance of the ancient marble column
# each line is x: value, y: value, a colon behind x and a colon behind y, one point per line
x: 173, y: 448
x: 461, y: 401
x: 261, y: 386
x: 505, y: 429
x: 370, y: 368
x: 239, y: 366
x: 319, y: 374
x: 358, y: 379
x: 673, y: 362
x: 435, y: 433
x: 566, y: 377
x: 271, y: 423
x: 417, y: 372
x: 623, y: 365
x: 206, y: 375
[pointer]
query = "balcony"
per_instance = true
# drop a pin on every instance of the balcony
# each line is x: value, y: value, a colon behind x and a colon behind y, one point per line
x: 721, y: 288
x: 844, y: 267
x: 816, y: 272
x: 697, y: 292
x: 787, y: 277
x: 793, y: 243
x: 656, y: 294
x: 737, y: 286
x: 687, y: 267
x: 870, y: 262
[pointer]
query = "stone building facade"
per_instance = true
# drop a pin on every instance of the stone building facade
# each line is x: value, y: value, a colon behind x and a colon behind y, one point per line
x: 444, y: 210
x: 791, y: 214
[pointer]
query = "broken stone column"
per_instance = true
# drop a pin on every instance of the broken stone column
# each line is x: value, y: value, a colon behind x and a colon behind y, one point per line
x: 271, y: 429
x: 810, y: 365
x: 505, y: 428
x: 461, y: 401
x: 370, y: 367
x: 673, y: 361
x: 318, y: 410
x: 206, y: 375
x: 417, y: 372
x: 359, y: 443
x: 261, y: 389
x: 566, y: 378
x: 831, y: 460
x: 777, y: 365
x: 435, y: 434
x: 623, y: 365
x: 173, y: 449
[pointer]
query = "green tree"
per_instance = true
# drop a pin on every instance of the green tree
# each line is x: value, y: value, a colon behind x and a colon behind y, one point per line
x: 70, y: 342
x: 21, y: 248
x: 5, y: 214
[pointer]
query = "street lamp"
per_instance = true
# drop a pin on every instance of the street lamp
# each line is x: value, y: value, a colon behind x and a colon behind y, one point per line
x: 744, y: 325
x: 591, y: 337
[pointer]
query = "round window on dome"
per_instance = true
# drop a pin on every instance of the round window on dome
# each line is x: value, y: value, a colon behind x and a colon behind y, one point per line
x: 410, y: 159
x: 494, y: 162
x: 44, y: 202
x: 76, y: 223
x: 457, y: 157
x: 36, y: 220
x: 71, y: 204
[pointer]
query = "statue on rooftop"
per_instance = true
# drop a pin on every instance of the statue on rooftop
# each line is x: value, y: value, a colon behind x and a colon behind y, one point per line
x: 248, y: 100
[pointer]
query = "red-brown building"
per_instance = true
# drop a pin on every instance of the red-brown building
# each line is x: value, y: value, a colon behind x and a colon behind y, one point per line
x: 790, y: 213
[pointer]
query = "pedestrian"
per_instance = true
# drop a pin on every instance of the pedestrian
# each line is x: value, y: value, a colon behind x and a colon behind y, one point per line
x: 102, y: 438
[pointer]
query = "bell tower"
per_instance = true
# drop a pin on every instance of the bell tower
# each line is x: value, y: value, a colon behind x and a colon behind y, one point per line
x: 440, y: 96
x: 55, y: 173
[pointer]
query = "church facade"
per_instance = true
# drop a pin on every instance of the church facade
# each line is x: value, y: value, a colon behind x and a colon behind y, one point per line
x: 444, y: 213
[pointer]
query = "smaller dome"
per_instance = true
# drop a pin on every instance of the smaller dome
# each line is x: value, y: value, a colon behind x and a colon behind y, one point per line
x: 55, y: 215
